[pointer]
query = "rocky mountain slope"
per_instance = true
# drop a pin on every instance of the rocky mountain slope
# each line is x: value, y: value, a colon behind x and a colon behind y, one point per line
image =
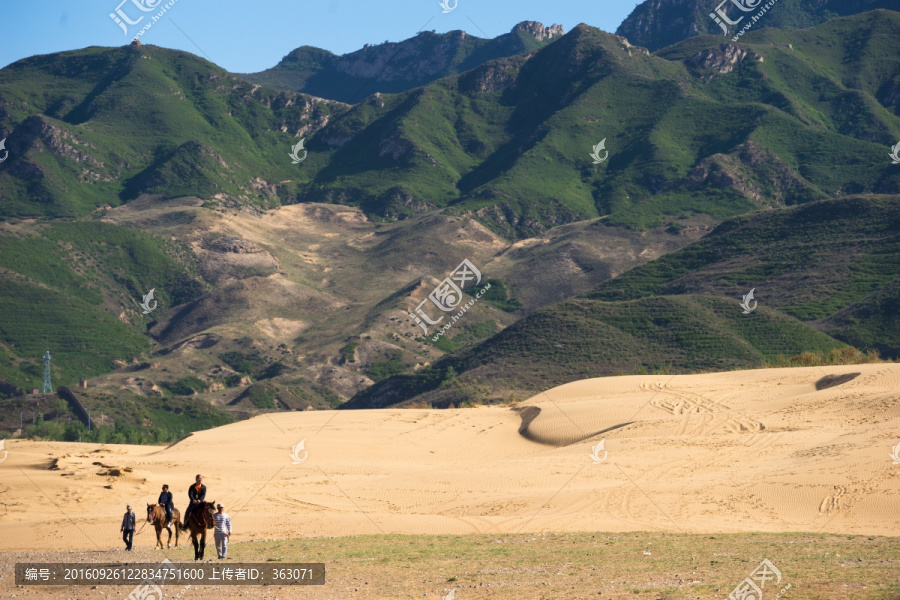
x: 821, y: 274
x: 709, y: 128
x: 655, y: 24
x: 394, y: 67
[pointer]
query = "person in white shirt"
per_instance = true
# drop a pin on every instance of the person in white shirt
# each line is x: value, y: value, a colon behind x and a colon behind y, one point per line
x: 223, y: 530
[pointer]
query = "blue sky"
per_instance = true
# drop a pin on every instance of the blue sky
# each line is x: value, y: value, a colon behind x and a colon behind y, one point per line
x: 252, y: 35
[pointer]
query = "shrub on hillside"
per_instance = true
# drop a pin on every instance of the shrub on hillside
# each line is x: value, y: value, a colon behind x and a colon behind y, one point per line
x: 186, y: 386
x: 260, y: 395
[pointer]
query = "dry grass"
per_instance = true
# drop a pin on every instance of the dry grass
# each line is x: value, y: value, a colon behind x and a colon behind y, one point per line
x: 599, y: 565
x: 564, y: 566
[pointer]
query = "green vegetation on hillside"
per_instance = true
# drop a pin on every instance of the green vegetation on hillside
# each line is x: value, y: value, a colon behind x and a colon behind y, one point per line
x: 260, y: 395
x: 584, y: 338
x: 657, y: 24
x: 508, y: 141
x: 186, y: 386
x: 383, y: 369
x: 101, y: 126
x: 499, y: 296
x: 823, y: 263
x: 812, y: 262
x: 783, y: 137
x: 348, y: 351
x: 64, y: 284
x: 242, y: 363
x: 149, y: 420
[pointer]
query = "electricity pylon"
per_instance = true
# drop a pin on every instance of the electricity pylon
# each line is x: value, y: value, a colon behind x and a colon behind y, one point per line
x: 48, y: 387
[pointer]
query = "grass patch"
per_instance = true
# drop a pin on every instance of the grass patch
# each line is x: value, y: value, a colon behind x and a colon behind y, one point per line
x: 150, y: 420
x: 260, y: 395
x: 590, y: 565
x: 186, y: 386
x: 348, y: 352
x: 383, y: 369
x: 242, y: 363
x: 499, y: 296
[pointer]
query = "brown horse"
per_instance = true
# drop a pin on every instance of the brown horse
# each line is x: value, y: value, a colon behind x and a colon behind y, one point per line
x: 156, y: 514
x: 197, y: 525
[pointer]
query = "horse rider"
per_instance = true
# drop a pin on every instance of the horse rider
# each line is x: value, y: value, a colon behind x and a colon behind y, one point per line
x: 165, y: 500
x: 197, y: 494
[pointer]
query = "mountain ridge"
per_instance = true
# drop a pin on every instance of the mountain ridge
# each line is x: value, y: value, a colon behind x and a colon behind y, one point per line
x: 394, y: 67
x: 524, y: 167
x: 656, y: 24
x: 698, y: 128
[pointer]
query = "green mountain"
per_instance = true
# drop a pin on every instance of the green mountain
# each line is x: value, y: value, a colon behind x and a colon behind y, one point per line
x: 702, y: 129
x: 99, y: 127
x: 830, y: 267
x: 74, y: 288
x: 655, y: 24
x: 397, y: 67
x: 283, y: 286
x: 706, y: 128
x: 826, y: 263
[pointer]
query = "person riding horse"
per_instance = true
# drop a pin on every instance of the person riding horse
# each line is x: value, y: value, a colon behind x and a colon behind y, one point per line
x: 198, y: 517
x: 165, y: 500
x: 197, y: 494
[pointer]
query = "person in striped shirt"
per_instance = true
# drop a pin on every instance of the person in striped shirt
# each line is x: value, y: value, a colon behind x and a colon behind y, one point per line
x: 223, y: 530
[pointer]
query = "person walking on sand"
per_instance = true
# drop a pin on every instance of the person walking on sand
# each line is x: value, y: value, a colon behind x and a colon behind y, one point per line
x: 223, y: 530
x: 127, y: 530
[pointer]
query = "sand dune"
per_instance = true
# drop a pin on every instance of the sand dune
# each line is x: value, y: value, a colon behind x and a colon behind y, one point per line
x: 757, y: 450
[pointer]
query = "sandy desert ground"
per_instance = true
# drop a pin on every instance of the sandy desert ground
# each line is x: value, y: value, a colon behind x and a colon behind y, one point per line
x: 759, y: 450
x: 744, y: 451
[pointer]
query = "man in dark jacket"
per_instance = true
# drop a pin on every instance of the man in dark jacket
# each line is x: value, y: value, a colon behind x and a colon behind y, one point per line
x: 197, y: 494
x: 127, y: 530
x: 165, y: 500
